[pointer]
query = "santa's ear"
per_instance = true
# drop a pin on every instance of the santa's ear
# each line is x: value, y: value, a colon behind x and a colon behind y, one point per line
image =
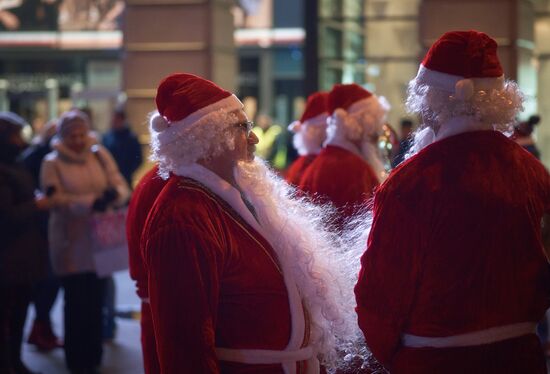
x: 464, y: 89
x: 340, y: 116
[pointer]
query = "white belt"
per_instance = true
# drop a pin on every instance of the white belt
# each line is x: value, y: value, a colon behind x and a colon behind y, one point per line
x: 492, y: 335
x: 265, y: 356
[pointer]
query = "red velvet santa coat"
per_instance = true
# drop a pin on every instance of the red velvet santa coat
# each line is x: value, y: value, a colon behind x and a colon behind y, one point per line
x: 297, y: 169
x: 214, y: 282
x: 142, y: 200
x: 455, y: 247
x: 342, y: 177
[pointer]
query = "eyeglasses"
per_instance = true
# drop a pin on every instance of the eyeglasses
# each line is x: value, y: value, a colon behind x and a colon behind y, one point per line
x: 246, y: 126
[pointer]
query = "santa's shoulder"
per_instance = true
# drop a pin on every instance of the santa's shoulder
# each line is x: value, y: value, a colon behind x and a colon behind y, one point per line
x: 183, y: 201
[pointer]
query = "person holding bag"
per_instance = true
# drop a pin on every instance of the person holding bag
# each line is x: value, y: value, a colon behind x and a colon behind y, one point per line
x: 85, y: 179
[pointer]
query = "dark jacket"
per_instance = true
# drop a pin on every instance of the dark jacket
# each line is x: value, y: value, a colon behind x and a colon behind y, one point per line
x: 32, y: 159
x: 126, y: 150
x: 23, y: 249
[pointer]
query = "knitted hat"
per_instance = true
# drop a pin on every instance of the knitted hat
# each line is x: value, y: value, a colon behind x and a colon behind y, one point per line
x: 184, y: 99
x: 462, y: 62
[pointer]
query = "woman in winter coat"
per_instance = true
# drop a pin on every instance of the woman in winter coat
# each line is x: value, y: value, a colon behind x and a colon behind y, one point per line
x: 23, y: 253
x: 84, y: 178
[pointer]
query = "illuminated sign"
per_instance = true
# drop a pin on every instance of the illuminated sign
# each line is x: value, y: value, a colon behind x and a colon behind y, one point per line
x: 61, y: 24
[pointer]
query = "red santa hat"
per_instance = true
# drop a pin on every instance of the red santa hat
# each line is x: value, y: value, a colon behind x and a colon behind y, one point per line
x: 351, y: 100
x: 462, y: 62
x: 347, y: 97
x: 315, y: 112
x: 185, y: 99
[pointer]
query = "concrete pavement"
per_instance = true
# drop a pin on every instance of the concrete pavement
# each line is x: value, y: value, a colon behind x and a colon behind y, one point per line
x: 122, y: 356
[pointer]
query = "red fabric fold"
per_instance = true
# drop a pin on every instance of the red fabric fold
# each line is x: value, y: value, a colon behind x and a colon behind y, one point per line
x: 297, y: 169
x: 342, y: 178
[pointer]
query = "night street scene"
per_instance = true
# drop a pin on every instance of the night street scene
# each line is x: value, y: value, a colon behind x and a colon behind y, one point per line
x: 274, y: 186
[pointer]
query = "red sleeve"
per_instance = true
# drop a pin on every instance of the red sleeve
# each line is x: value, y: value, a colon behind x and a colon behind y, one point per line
x: 135, y: 220
x: 143, y: 198
x: 547, y: 192
x: 184, y: 278
x: 294, y: 172
x: 388, y: 277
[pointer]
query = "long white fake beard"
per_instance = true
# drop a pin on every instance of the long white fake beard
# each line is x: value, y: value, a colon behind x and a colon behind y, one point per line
x: 372, y: 155
x: 420, y: 140
x: 324, y: 266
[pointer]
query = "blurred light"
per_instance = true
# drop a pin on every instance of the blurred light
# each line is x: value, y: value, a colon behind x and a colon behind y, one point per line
x: 373, y: 70
x: 296, y: 54
x: 51, y: 84
x: 27, y: 133
x: 267, y: 37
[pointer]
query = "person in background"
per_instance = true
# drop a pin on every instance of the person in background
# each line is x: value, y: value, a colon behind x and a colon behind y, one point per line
x: 123, y: 145
x: 45, y: 292
x: 523, y: 135
x: 404, y: 142
x: 126, y: 150
x: 267, y: 133
x: 23, y: 253
x: 310, y: 131
x: 85, y: 179
x: 143, y: 198
x: 347, y: 170
x: 455, y: 277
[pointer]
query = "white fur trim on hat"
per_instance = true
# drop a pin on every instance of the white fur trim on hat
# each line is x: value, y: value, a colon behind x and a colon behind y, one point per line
x: 370, y: 103
x: 227, y: 104
x: 462, y: 88
x: 318, y: 120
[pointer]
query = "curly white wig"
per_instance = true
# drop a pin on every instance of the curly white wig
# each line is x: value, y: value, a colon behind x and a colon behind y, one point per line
x: 490, y: 107
x: 362, y: 120
x: 497, y: 107
x: 174, y: 146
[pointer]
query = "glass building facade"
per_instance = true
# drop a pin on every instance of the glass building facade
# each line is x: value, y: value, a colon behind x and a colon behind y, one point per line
x: 341, y: 42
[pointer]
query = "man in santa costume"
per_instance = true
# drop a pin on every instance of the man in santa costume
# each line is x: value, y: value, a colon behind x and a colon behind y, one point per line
x: 462, y: 286
x: 143, y: 198
x: 350, y: 166
x: 241, y: 277
x: 310, y: 131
